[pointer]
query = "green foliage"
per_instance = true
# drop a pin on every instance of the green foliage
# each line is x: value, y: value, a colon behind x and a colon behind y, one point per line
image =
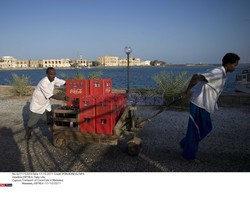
x: 20, y: 85
x: 170, y: 85
x: 64, y: 76
x: 157, y: 62
x: 78, y: 75
x: 94, y: 75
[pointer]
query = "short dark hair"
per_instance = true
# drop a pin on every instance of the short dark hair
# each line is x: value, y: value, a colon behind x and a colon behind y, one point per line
x: 230, y: 58
x: 49, y: 68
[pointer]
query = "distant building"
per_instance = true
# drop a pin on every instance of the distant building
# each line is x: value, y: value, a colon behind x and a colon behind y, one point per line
x: 145, y: 63
x: 79, y: 62
x: 108, y: 61
x: 90, y: 63
x: 11, y: 62
x: 135, y: 61
x: 22, y: 63
x: 36, y: 63
x: 8, y: 62
x: 56, y: 63
x: 132, y: 62
x: 123, y: 62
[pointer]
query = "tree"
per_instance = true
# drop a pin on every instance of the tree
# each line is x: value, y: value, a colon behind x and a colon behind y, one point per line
x: 157, y: 62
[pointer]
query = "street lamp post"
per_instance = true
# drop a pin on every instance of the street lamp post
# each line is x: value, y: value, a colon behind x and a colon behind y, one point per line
x: 128, y: 50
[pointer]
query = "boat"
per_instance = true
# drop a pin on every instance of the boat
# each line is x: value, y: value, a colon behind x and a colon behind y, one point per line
x: 242, y: 81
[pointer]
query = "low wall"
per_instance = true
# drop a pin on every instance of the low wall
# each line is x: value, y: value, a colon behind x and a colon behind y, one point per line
x: 234, y: 99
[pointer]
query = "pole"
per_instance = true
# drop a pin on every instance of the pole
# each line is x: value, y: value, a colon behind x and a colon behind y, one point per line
x: 127, y: 72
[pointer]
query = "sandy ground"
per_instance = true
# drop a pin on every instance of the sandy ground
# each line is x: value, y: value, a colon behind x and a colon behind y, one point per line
x: 226, y: 148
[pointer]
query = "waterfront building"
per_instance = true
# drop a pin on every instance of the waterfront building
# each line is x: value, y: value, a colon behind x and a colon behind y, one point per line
x: 79, y: 62
x: 89, y: 63
x: 132, y: 62
x: 108, y: 61
x: 56, y: 63
x: 8, y: 62
x: 35, y: 63
x: 145, y: 63
x: 22, y: 63
x: 135, y: 61
x: 123, y: 62
x: 1, y: 63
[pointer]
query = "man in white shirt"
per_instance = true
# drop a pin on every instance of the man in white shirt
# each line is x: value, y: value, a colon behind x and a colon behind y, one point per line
x: 40, y: 103
x: 206, y: 89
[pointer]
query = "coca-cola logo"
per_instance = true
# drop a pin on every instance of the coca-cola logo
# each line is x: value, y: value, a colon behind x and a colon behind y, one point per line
x: 75, y: 91
x: 107, y: 90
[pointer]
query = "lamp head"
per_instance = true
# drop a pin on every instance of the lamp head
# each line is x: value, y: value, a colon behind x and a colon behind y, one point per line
x: 128, y: 50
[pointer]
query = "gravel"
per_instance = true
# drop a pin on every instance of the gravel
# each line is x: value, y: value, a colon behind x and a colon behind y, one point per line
x: 226, y: 148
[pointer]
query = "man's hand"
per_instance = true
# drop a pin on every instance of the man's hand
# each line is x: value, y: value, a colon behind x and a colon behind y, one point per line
x: 184, y: 94
x: 68, y: 99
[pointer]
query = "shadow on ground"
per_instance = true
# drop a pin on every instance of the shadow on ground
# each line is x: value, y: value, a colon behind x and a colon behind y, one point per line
x: 10, y: 155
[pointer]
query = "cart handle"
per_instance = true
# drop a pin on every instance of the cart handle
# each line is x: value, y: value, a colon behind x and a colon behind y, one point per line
x: 160, y: 111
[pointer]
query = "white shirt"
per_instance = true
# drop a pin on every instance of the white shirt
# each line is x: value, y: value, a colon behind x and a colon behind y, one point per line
x: 43, y: 91
x: 206, y: 94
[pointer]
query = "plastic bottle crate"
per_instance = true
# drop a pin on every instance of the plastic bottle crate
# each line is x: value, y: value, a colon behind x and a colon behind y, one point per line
x: 76, y: 88
x: 106, y: 114
x: 100, y: 87
x: 87, y: 114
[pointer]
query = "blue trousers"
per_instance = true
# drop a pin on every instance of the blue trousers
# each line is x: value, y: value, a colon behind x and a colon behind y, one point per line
x: 199, y: 125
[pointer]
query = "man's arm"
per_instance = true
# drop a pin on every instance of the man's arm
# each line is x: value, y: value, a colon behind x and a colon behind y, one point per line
x: 194, y: 80
x: 59, y: 97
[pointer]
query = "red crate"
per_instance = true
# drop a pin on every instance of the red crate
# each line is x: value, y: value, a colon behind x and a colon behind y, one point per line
x: 106, y: 114
x: 77, y: 88
x: 107, y: 86
x: 73, y: 103
x: 87, y: 114
x: 100, y: 87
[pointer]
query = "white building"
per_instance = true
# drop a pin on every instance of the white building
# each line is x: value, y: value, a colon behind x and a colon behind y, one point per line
x: 108, y: 61
x: 23, y: 63
x: 145, y: 63
x: 56, y: 63
x: 79, y: 62
x: 8, y: 62
x: 132, y: 62
x: 35, y: 63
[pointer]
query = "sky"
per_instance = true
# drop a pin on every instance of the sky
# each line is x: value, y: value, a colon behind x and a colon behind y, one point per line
x: 175, y: 31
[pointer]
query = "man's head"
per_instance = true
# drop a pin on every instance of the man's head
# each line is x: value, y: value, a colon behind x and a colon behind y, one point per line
x: 51, y: 73
x: 230, y: 61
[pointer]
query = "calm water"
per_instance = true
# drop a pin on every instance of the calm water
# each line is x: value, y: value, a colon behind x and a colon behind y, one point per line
x: 140, y: 77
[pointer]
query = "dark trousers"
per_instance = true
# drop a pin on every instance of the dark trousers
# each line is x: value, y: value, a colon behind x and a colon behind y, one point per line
x: 199, y: 125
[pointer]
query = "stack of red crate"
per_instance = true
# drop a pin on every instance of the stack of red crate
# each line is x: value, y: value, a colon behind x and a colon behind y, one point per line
x: 106, y: 113
x: 108, y: 110
x: 87, y: 114
x: 99, y: 109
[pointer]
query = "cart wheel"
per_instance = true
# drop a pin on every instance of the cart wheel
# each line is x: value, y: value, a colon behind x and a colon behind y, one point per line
x: 134, y: 149
x: 59, y: 142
